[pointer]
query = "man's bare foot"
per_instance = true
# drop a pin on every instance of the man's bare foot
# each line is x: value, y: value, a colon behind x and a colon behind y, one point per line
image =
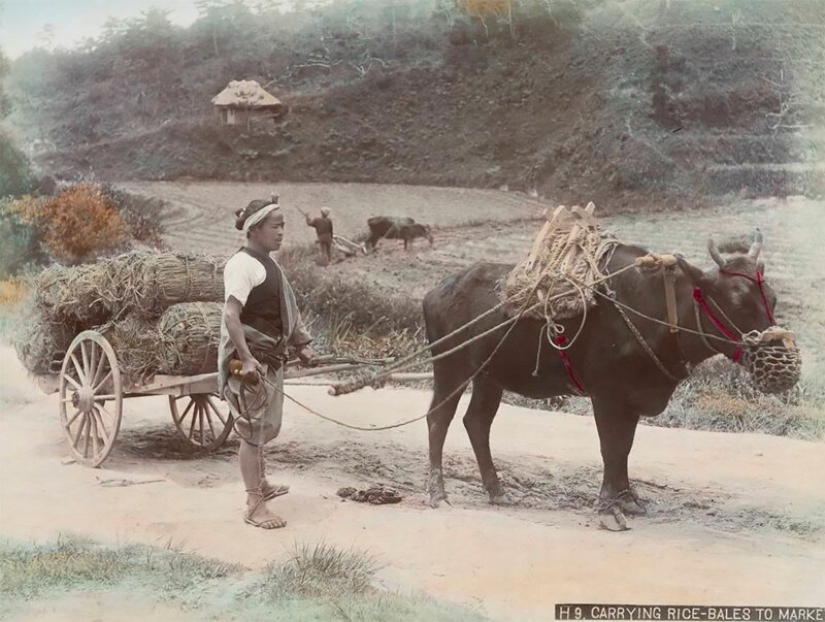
x: 260, y: 516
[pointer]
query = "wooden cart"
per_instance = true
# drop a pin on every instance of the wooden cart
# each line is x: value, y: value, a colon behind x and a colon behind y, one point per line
x: 92, y: 389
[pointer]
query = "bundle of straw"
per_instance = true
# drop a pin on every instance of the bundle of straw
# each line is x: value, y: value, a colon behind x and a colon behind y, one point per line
x: 41, y: 343
x: 75, y: 295
x: 159, y: 281
x: 93, y: 294
x: 190, y: 334
x: 136, y: 342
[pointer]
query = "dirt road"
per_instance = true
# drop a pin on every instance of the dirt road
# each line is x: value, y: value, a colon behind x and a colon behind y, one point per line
x: 735, y: 519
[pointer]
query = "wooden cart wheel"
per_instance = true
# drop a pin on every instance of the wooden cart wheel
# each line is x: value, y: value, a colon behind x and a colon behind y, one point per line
x: 201, y: 421
x: 89, y: 378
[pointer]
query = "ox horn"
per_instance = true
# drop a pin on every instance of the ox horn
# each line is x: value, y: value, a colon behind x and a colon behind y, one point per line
x: 714, y: 252
x: 756, y: 247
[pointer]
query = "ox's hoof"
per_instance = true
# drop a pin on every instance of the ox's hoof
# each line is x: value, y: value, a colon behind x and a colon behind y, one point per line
x: 437, y: 497
x: 501, y: 498
x: 631, y: 503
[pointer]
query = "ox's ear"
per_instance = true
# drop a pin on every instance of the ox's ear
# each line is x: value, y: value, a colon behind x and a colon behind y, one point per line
x: 760, y: 266
x: 695, y: 274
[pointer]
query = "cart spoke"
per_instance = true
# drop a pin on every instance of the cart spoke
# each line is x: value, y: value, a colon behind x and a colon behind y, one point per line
x: 191, y: 403
x: 92, y: 362
x: 102, y: 382
x: 80, y: 375
x: 194, y: 418
x: 103, y: 411
x: 69, y: 423
x: 206, y: 408
x: 87, y: 436
x: 99, y: 368
x: 84, y: 356
x: 216, y: 409
x: 99, y: 421
x: 80, y: 429
x: 72, y: 381
x: 95, y: 439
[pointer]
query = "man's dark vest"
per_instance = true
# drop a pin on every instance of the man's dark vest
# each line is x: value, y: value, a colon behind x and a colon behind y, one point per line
x: 262, y: 310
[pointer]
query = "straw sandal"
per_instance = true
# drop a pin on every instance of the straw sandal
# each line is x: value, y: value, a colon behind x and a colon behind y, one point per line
x: 277, y: 490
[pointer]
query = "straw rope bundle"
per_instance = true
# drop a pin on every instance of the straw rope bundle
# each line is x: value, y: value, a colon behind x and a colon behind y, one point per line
x: 190, y: 334
x: 567, y: 251
x: 40, y: 343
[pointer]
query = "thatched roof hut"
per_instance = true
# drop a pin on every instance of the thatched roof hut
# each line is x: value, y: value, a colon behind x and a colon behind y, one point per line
x: 245, y: 99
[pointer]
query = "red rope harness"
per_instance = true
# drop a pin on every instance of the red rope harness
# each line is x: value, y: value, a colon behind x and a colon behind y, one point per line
x: 759, y: 280
x: 697, y: 296
x: 561, y: 340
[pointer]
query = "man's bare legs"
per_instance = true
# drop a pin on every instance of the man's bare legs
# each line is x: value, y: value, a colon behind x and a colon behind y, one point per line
x: 254, y: 479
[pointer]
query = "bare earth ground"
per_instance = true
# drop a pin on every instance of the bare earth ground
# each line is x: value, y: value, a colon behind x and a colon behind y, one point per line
x: 735, y: 519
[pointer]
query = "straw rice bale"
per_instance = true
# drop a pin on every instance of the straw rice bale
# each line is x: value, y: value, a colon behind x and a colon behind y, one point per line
x: 136, y: 342
x: 190, y: 334
x: 74, y: 295
x: 40, y: 343
x: 148, y: 283
x: 121, y: 297
x: 162, y: 280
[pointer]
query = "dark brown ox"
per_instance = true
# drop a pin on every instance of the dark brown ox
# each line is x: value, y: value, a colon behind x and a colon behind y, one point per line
x: 396, y: 228
x: 607, y: 360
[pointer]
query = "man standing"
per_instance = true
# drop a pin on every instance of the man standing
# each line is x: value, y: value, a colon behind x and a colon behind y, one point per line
x: 261, y: 319
x: 323, y: 229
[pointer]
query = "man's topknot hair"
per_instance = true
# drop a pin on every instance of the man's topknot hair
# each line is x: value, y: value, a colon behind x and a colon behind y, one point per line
x: 254, y: 206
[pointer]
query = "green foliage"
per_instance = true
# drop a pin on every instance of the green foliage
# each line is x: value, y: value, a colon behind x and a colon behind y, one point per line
x: 16, y: 176
x: 20, y: 244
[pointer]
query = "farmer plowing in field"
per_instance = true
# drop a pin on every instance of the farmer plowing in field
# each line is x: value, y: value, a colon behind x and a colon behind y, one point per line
x: 323, y: 231
x: 261, y: 319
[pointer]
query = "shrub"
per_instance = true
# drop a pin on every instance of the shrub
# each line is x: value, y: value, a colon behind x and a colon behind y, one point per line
x: 77, y: 225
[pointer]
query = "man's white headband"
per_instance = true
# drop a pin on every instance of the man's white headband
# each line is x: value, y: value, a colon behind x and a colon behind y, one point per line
x: 259, y: 216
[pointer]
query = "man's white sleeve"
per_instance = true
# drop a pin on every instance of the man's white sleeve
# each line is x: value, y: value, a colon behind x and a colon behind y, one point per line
x: 240, y: 275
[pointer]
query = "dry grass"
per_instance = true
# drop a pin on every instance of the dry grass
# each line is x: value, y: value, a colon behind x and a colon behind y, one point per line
x: 12, y: 292
x: 350, y: 317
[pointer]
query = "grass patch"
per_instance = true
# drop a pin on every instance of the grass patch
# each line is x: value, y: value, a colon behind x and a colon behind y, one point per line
x: 76, y: 563
x: 719, y: 396
x: 320, y: 570
x: 315, y: 582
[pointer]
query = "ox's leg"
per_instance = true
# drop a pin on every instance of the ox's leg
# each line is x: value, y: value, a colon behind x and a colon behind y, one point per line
x: 617, y: 428
x: 446, y: 395
x: 478, y: 420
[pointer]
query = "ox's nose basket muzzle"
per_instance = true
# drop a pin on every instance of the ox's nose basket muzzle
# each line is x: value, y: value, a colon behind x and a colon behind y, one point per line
x: 772, y: 359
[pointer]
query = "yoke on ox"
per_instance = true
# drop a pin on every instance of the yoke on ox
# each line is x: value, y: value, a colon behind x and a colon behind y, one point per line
x: 652, y: 318
x: 396, y: 228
